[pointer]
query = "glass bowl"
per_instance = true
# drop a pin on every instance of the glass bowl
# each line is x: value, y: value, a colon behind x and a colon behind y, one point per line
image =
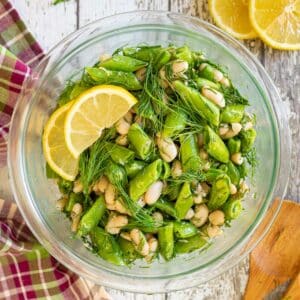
x: 36, y: 195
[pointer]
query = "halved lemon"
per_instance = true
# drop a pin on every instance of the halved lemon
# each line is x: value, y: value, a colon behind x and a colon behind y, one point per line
x: 233, y: 17
x: 95, y: 109
x: 55, y: 149
x: 277, y: 22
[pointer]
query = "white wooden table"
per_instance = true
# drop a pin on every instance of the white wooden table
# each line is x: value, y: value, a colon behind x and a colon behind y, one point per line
x: 50, y: 24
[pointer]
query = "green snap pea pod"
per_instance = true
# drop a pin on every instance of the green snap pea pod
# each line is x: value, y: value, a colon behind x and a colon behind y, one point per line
x: 184, y: 53
x: 184, y: 229
x: 65, y: 186
x: 175, y: 123
x: 184, y: 201
x: 163, y: 57
x: 247, y: 140
x: 233, y: 113
x: 166, y: 171
x: 73, y: 198
x: 212, y: 174
x: 116, y: 173
x: 108, y: 248
x: 215, y: 146
x: 140, y: 141
x: 232, y: 209
x: 166, y: 207
x: 129, y: 252
x: 122, y: 63
x: 119, y: 154
x: 190, y: 244
x: 234, y: 145
x: 208, y: 72
x: 219, y: 193
x: 189, y: 153
x: 124, y: 79
x: 92, y: 217
x: 233, y: 173
x: 141, y: 182
x: 166, y: 241
x: 202, y: 82
x: 145, y: 53
x: 204, y: 107
x: 133, y: 167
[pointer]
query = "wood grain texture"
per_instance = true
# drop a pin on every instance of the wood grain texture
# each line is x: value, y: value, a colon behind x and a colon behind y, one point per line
x: 50, y: 24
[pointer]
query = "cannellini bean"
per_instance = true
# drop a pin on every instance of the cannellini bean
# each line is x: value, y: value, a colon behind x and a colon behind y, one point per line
x: 115, y: 223
x: 76, y: 210
x: 213, y: 231
x: 75, y: 223
x: 122, y: 140
x: 201, y: 215
x: 205, y: 188
x: 125, y: 236
x: 137, y: 237
x: 119, y: 207
x: 158, y: 218
x: 141, y: 74
x: 141, y: 202
x: 217, y: 217
x: 153, y: 193
x: 198, y: 199
x: 138, y: 120
x: 213, y: 95
x: 179, y: 67
x: 101, y: 185
x: 244, y: 187
x: 78, y: 187
x: 206, y: 166
x: 128, y: 117
x: 110, y: 194
x: 203, y: 154
x: 167, y: 148
x: 218, y: 76
x: 233, y: 189
x: 225, y: 81
x: 224, y: 128
x: 122, y: 126
x: 237, y: 158
x: 189, y: 215
x: 236, y: 127
x: 153, y: 244
x: 202, y: 66
x: 61, y: 203
x: 176, y: 170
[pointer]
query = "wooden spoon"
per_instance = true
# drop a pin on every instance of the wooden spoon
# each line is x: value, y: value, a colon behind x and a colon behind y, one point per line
x: 276, y: 259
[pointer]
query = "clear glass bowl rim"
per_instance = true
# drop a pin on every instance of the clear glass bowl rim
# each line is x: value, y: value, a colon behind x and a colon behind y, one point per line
x: 59, y: 252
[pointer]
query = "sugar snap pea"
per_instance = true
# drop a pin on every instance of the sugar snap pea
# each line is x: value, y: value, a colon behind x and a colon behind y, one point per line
x: 233, y: 173
x: 133, y: 167
x: 232, y: 209
x: 233, y: 113
x: 124, y: 79
x: 184, y: 53
x: 184, y: 201
x: 184, y: 229
x: 166, y: 207
x: 73, y: 198
x: 119, y: 154
x: 219, y: 193
x: 122, y: 63
x: 166, y: 241
x: 190, y: 244
x: 116, y: 173
x: 175, y: 123
x: 189, y: 153
x: 247, y: 139
x: 234, y: 145
x: 202, y: 82
x: 108, y: 248
x: 145, y: 53
x: 92, y: 217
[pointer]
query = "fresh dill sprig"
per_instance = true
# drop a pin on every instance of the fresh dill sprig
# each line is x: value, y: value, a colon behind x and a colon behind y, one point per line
x: 252, y: 160
x: 233, y: 96
x: 59, y: 1
x: 92, y: 162
x: 187, y: 177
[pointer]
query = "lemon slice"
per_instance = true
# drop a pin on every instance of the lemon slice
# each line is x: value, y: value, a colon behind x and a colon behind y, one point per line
x: 277, y: 22
x: 95, y: 109
x: 233, y: 17
x: 55, y: 149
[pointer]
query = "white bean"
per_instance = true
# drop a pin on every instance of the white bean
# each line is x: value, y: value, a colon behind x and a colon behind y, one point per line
x: 78, y: 187
x: 119, y: 207
x: 248, y: 126
x: 158, y: 218
x: 125, y: 236
x: 176, y: 170
x: 141, y: 202
x: 233, y: 189
x: 153, y: 244
x: 128, y: 117
x: 200, y: 139
x: 217, y: 217
x: 203, y: 154
x: 218, y: 76
x: 213, y: 231
x: 110, y: 194
x: 75, y: 223
x: 198, y: 199
x: 244, y: 187
x: 189, y: 215
x: 122, y: 126
x: 153, y: 193
x: 115, y: 224
x: 76, y: 210
x: 224, y: 128
x: 225, y: 81
x: 179, y: 67
x: 122, y: 140
x: 61, y: 203
x: 201, y: 215
x: 101, y: 185
x: 141, y: 74
x: 167, y: 148
x: 236, y: 127
x: 213, y: 95
x: 203, y: 66
x: 237, y: 158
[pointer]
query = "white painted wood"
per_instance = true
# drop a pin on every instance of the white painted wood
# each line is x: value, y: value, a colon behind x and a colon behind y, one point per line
x: 48, y: 23
x: 51, y: 23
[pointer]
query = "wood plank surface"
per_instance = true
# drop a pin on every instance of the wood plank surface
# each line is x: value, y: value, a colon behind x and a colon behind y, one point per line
x: 50, y: 24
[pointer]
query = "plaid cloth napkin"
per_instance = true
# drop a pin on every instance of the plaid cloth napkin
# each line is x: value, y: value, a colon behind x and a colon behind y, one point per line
x: 27, y: 271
